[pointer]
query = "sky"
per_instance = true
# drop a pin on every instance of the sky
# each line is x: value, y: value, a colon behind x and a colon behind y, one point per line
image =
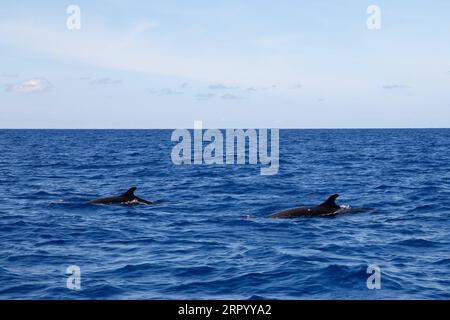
x: 228, y: 63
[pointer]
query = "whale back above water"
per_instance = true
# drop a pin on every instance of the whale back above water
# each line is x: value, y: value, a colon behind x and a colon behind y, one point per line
x: 127, y: 197
x: 328, y: 207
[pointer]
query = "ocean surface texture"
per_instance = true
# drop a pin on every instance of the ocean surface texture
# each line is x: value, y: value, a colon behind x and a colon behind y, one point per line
x: 210, y: 234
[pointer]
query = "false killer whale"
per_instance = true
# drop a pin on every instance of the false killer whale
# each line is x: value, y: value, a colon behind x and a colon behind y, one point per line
x: 125, y: 198
x: 329, y: 207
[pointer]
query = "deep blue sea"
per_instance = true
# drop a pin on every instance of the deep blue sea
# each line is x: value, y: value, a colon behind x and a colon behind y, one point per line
x: 210, y: 235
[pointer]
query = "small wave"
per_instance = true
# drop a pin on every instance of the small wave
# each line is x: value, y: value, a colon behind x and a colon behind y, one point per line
x: 19, y: 223
x: 417, y: 243
x: 105, y: 291
x: 18, y: 291
x: 443, y: 262
x: 132, y: 268
x: 52, y: 243
x: 194, y: 271
x: 257, y: 297
x: 342, y: 274
x: 42, y: 194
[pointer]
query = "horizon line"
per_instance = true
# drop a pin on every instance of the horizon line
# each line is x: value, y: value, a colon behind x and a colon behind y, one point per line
x: 242, y: 128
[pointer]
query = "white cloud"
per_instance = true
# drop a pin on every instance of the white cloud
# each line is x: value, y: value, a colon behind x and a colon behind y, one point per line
x: 142, y: 49
x: 222, y: 87
x: 106, y: 81
x: 166, y: 92
x: 31, y: 85
x: 229, y: 96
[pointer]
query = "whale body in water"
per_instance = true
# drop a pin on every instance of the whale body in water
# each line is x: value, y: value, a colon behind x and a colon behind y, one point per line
x: 125, y: 198
x: 329, y: 207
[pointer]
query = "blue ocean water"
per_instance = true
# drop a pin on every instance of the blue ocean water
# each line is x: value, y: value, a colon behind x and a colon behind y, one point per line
x: 210, y: 235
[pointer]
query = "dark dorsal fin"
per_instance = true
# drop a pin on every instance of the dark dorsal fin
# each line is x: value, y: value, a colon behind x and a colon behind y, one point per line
x: 129, y: 193
x: 330, y: 201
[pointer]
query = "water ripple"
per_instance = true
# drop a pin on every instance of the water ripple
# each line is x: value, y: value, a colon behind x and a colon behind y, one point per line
x: 210, y: 235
